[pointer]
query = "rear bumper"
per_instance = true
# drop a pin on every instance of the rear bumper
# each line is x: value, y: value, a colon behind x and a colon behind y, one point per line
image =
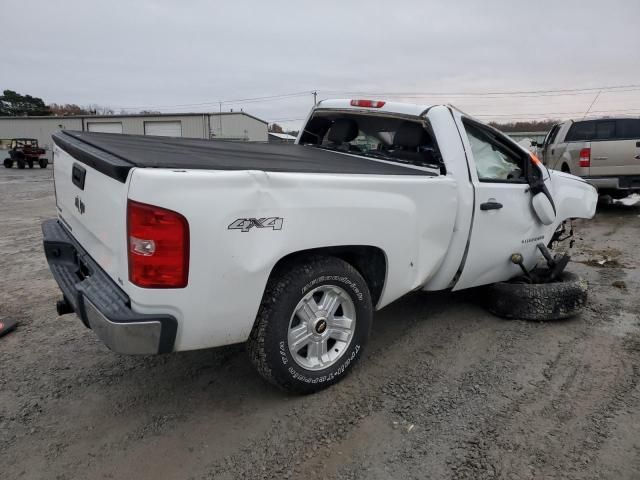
x: 99, y: 302
x: 623, y: 182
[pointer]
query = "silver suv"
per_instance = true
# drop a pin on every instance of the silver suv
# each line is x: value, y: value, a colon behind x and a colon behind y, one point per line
x: 605, y: 152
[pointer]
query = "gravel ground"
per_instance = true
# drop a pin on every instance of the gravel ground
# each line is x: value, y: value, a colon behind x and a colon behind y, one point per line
x: 445, y: 389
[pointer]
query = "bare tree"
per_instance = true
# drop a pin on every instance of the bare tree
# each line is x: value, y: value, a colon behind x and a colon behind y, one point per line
x: 67, y: 109
x: 530, y: 126
x: 95, y: 109
x: 275, y: 128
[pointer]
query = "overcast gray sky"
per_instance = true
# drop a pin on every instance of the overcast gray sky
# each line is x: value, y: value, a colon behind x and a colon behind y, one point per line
x: 178, y: 55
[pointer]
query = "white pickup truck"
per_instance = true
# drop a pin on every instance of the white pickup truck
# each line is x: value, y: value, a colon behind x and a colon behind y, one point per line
x: 168, y: 244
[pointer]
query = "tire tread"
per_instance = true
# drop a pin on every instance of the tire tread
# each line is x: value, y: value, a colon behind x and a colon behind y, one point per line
x: 280, y: 281
x: 545, y: 301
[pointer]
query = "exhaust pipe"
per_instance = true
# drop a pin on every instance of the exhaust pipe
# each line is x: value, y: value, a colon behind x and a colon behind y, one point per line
x: 63, y: 306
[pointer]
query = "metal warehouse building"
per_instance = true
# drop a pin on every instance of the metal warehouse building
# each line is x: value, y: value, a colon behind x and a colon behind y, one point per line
x: 235, y: 126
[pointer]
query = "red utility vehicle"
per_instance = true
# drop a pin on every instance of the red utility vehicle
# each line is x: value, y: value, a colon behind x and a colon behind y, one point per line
x: 25, y: 151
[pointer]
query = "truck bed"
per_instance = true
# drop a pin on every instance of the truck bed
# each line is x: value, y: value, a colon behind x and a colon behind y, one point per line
x: 115, y: 154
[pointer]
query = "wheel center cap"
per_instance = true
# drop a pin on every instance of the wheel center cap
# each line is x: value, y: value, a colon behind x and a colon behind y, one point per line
x: 321, y: 326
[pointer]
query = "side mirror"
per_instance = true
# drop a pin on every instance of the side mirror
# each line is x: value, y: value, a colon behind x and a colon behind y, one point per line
x: 536, y: 144
x: 544, y: 208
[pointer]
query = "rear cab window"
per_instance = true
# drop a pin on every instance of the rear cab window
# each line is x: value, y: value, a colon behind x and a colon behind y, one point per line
x: 385, y: 136
x: 604, y: 129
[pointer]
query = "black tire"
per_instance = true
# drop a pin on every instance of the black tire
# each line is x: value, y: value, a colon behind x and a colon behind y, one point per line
x: 8, y: 163
x: 543, y: 301
x: 268, y: 342
x: 21, y: 163
x: 30, y: 163
x: 565, y: 168
x: 43, y: 162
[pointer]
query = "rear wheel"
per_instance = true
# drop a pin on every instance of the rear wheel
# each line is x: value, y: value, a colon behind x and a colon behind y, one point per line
x: 21, y: 163
x: 312, y: 325
x: 30, y: 163
x: 565, y: 168
x: 8, y: 163
x: 43, y: 162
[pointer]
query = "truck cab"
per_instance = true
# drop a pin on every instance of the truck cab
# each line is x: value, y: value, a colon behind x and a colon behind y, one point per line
x: 495, y: 178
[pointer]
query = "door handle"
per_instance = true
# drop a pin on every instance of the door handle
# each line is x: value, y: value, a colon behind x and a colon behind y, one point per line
x: 600, y: 158
x: 490, y: 206
x: 78, y: 174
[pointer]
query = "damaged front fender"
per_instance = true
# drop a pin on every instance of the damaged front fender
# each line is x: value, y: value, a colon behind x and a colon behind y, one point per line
x: 573, y: 197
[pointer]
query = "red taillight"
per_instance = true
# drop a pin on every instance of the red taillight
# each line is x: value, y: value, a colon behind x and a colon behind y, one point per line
x: 367, y: 103
x: 585, y: 158
x: 158, y: 246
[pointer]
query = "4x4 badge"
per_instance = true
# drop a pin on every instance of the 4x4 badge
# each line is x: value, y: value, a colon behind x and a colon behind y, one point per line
x: 79, y: 205
x: 246, y: 224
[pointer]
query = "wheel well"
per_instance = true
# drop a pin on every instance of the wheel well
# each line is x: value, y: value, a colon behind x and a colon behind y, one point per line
x: 565, y: 168
x: 370, y: 262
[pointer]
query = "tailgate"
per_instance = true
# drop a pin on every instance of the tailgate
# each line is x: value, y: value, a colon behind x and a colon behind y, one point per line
x: 616, y: 151
x: 92, y: 203
x: 615, y: 157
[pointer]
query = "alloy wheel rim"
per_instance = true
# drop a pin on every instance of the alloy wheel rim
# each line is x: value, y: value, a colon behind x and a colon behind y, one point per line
x: 322, y: 327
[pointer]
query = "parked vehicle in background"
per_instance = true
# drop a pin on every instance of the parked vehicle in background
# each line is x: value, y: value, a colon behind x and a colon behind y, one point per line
x: 168, y: 244
x: 605, y: 152
x: 25, y: 151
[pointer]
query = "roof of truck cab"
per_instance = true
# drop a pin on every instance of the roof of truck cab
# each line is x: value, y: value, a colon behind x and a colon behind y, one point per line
x: 115, y: 154
x: 388, y: 107
x: 595, y: 119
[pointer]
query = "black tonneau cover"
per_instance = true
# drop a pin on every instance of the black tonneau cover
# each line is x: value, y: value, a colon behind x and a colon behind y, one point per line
x: 115, y: 154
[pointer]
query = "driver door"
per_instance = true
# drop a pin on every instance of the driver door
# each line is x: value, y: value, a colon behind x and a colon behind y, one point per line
x: 503, y: 220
